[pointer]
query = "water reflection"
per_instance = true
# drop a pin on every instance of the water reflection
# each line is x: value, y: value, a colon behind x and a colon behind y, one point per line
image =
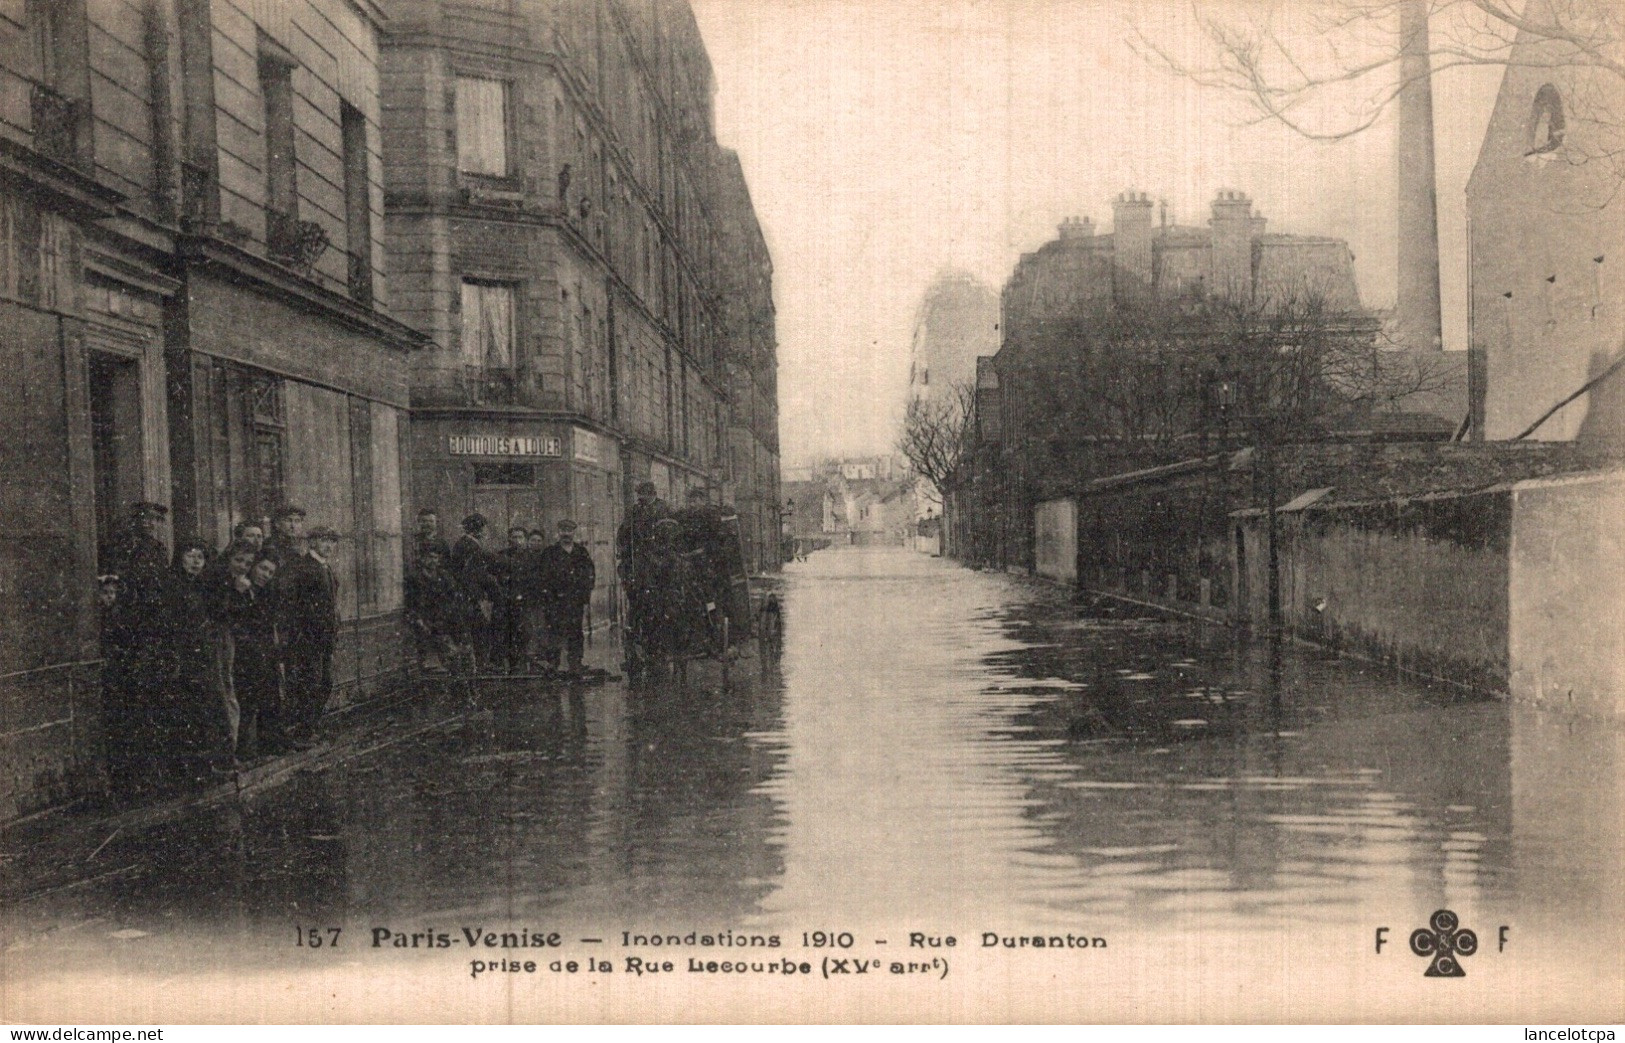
x: 936, y: 748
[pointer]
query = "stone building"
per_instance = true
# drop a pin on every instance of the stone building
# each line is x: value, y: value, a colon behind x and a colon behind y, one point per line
x: 957, y: 321
x: 556, y: 229
x: 750, y: 361
x: 1062, y: 297
x: 194, y: 313
x: 1546, y: 222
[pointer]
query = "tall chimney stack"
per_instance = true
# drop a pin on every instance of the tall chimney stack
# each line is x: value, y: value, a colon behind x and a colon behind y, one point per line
x: 1416, y: 313
x: 1131, y: 242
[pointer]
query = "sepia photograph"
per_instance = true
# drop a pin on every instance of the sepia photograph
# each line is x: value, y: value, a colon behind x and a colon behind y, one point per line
x: 812, y: 511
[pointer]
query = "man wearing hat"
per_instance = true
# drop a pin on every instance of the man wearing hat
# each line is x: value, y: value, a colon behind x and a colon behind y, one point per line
x: 567, y: 577
x: 634, y: 542
x: 476, y: 574
x: 308, y: 588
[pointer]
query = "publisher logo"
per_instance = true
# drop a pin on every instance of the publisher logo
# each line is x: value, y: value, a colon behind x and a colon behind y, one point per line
x: 1446, y: 941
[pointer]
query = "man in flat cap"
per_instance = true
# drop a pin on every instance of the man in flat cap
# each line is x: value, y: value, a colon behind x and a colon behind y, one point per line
x: 567, y: 579
x: 308, y: 589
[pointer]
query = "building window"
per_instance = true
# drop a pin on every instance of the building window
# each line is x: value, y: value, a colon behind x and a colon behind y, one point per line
x: 488, y: 332
x: 1546, y: 121
x: 269, y: 431
x: 357, y: 201
x: 276, y: 67
x: 482, y: 126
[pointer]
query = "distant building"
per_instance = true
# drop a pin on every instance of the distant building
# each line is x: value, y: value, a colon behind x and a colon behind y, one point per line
x: 1547, y: 249
x: 583, y: 254
x: 1038, y: 430
x: 862, y: 500
x: 957, y: 320
x: 1142, y: 258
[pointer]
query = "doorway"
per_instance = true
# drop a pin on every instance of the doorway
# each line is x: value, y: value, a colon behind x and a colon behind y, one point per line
x: 118, y: 476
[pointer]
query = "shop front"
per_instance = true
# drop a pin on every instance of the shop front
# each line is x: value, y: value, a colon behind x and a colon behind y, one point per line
x: 519, y: 471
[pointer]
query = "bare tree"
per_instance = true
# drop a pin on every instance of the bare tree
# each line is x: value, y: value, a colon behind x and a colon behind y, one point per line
x: 936, y: 431
x: 1348, y: 55
x: 1144, y: 379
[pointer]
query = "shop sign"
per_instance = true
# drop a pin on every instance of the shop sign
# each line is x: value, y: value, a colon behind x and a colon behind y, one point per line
x: 588, y: 447
x: 505, y: 445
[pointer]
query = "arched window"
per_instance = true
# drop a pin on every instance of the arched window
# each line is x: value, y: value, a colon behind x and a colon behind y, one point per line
x: 1546, y: 121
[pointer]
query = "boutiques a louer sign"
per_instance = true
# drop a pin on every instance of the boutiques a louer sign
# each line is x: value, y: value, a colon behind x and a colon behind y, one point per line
x: 505, y: 445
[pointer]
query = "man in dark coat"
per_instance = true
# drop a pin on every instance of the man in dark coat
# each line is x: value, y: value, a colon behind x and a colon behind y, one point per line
x: 308, y: 594
x: 710, y: 540
x: 476, y: 573
x: 137, y: 667
x: 515, y: 573
x: 634, y: 546
x: 567, y: 578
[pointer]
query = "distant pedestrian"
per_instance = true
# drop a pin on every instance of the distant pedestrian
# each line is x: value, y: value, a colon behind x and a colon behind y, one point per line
x: 474, y: 570
x: 568, y: 576
x: 634, y: 542
x: 514, y: 571
x: 309, y: 588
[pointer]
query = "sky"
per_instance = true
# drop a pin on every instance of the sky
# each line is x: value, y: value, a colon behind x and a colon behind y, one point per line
x: 885, y: 140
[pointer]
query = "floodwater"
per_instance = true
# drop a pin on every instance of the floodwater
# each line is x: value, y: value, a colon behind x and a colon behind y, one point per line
x: 935, y: 749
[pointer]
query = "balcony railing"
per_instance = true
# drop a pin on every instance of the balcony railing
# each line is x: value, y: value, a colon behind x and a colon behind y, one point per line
x: 360, y: 278
x: 59, y: 124
x: 292, y: 242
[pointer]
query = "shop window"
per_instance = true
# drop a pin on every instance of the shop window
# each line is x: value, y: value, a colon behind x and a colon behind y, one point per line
x: 504, y: 474
x: 482, y: 126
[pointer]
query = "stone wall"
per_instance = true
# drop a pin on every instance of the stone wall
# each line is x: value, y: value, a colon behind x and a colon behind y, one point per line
x: 1567, y: 568
x: 1418, y: 583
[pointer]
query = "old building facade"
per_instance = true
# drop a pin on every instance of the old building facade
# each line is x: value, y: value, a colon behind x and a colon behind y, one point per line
x: 1547, y: 243
x: 194, y: 314
x: 1053, y: 422
x: 554, y: 226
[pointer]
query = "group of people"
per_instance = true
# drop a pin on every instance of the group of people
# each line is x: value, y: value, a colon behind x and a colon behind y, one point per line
x: 213, y: 659
x: 677, y: 569
x: 519, y: 610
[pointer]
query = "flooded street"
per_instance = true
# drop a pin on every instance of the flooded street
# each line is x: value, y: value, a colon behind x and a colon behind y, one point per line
x: 937, y: 750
